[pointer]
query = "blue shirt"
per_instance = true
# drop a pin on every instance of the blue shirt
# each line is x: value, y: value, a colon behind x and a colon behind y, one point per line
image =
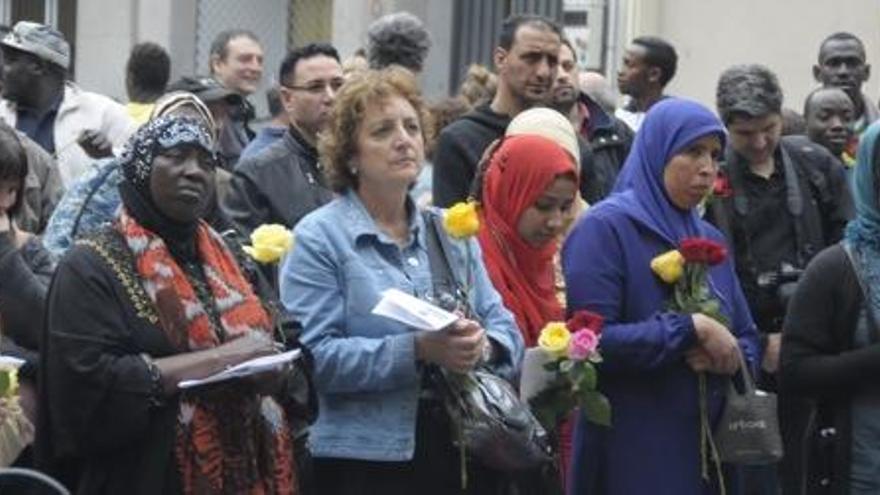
x: 40, y: 127
x: 366, y: 372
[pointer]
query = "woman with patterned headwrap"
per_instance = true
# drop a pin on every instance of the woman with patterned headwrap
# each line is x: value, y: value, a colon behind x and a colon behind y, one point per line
x: 143, y: 304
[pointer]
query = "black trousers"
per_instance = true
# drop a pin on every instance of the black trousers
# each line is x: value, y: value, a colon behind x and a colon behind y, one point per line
x: 434, y: 469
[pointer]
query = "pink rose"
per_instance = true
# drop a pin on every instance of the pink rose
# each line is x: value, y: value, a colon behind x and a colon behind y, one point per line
x: 583, y: 343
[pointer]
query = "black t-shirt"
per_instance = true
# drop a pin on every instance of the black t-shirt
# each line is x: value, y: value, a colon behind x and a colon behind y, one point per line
x: 768, y: 225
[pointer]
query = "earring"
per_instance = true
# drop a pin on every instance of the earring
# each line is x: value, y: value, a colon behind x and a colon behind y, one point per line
x: 353, y: 170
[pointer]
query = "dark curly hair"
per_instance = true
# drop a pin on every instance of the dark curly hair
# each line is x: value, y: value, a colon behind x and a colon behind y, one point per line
x: 398, y: 39
x: 659, y: 53
x: 338, y: 143
x: 147, y: 72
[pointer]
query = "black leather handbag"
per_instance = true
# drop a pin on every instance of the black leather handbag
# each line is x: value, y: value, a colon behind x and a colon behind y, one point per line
x: 496, y: 427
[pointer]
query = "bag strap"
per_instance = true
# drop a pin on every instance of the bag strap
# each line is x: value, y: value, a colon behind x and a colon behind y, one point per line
x: 748, y: 381
x: 856, y: 263
x: 442, y: 279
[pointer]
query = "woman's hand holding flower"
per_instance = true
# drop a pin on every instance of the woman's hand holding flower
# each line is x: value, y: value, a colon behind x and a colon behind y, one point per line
x: 698, y: 359
x: 717, y: 341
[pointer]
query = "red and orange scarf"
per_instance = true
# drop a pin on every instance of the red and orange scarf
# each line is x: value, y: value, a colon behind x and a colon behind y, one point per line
x: 229, y: 440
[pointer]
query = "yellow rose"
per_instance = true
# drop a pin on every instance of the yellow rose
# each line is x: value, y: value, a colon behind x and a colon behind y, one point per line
x: 554, y: 339
x: 461, y: 220
x: 669, y: 266
x: 269, y: 243
x: 8, y: 381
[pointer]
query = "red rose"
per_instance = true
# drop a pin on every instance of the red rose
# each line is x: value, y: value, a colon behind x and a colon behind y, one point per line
x: 585, y: 319
x: 722, y: 188
x: 700, y: 250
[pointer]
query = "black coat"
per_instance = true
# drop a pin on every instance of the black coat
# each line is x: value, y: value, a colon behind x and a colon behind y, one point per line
x: 281, y: 184
x: 24, y: 280
x: 603, y: 155
x: 459, y: 149
x: 98, y: 428
x: 819, y: 364
x: 826, y: 206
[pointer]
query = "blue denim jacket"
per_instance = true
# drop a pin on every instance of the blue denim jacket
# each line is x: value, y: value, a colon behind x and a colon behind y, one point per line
x: 365, y: 365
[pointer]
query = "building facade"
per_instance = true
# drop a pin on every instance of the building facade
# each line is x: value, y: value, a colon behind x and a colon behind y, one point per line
x: 708, y: 34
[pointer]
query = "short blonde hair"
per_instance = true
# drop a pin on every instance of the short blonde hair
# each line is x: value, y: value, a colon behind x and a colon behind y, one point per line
x: 338, y: 142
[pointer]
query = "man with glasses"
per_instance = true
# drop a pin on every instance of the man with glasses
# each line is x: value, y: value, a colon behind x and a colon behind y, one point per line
x: 284, y: 182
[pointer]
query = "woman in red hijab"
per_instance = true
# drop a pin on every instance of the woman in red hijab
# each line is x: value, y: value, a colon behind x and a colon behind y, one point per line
x: 528, y: 192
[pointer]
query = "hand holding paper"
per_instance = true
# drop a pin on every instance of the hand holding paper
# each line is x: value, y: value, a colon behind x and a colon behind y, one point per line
x: 247, y: 368
x: 412, y: 311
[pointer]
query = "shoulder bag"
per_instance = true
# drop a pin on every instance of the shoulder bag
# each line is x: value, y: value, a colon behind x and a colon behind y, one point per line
x: 498, y: 429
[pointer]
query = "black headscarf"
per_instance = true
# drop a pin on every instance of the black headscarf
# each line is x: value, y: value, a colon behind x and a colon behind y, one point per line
x: 152, y: 139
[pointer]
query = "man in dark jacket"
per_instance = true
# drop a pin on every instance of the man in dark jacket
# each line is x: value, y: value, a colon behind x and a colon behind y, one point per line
x: 780, y: 201
x: 284, y: 182
x: 526, y: 59
x: 784, y: 199
x: 604, y: 139
x: 236, y: 62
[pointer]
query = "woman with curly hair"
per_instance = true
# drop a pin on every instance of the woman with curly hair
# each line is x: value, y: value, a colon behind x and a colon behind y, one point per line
x: 382, y: 425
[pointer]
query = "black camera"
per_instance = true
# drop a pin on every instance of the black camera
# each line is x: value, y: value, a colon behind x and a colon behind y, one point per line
x: 780, y: 283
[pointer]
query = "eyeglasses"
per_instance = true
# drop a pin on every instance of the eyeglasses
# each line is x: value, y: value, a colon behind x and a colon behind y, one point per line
x: 318, y: 87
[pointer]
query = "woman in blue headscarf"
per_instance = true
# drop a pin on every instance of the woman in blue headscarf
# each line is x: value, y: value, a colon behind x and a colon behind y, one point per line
x: 831, y: 352
x: 653, y: 355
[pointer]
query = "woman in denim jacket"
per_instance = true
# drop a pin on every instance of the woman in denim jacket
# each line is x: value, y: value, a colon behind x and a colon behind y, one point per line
x: 380, y: 428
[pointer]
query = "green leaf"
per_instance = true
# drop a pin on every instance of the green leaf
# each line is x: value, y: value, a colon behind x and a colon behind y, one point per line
x: 551, y: 366
x: 596, y: 408
x: 588, y: 379
x: 551, y: 405
x: 566, y: 365
x: 575, y: 374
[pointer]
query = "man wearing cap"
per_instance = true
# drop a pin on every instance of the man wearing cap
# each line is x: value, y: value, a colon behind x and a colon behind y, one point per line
x: 73, y: 125
x: 284, y: 182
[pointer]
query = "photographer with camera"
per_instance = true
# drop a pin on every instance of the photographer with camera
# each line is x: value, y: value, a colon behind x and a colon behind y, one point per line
x: 779, y: 201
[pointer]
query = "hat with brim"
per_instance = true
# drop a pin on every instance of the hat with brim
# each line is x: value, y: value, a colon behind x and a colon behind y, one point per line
x: 39, y: 40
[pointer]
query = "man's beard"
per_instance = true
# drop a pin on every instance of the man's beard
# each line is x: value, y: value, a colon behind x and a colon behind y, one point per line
x: 563, y: 103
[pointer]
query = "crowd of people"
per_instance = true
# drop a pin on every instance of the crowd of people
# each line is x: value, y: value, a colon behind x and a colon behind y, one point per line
x: 125, y: 270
